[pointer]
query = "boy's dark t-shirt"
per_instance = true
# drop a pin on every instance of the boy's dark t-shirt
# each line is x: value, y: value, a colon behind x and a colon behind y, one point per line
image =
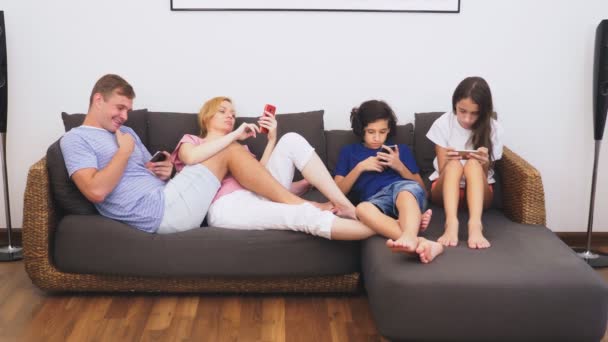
x: 370, y: 182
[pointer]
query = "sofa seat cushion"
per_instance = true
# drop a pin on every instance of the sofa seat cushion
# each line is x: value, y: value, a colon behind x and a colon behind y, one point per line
x: 97, y: 245
x: 528, y: 286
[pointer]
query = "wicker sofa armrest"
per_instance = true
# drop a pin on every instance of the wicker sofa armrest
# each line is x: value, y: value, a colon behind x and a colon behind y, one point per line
x: 523, y: 192
x: 38, y: 224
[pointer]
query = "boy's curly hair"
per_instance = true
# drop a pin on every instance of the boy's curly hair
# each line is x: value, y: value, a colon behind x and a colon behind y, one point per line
x: 370, y: 111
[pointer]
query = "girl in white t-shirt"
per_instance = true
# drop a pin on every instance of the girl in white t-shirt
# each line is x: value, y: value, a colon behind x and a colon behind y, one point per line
x: 469, y: 176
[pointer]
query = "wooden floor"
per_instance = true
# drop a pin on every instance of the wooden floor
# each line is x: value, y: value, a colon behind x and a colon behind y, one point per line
x: 27, y: 314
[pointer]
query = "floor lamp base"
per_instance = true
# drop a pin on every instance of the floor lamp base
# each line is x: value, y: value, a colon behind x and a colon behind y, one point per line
x: 594, y: 259
x: 11, y: 253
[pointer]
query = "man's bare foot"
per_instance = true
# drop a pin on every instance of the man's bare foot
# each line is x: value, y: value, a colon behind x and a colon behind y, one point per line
x: 450, y: 236
x: 345, y: 211
x: 428, y: 250
x: 300, y: 187
x: 407, y: 243
x: 426, y: 220
x: 476, y: 238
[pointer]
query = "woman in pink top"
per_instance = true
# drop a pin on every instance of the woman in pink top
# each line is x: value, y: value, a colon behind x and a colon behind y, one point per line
x: 237, y: 208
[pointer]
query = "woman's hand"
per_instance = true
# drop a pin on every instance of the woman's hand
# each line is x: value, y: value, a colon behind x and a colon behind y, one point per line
x: 371, y: 164
x: 161, y: 169
x: 451, y: 154
x: 390, y: 159
x: 481, y: 156
x: 270, y: 123
x: 246, y: 131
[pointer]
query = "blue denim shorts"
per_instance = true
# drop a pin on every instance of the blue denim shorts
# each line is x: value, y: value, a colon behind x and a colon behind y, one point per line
x: 386, y: 198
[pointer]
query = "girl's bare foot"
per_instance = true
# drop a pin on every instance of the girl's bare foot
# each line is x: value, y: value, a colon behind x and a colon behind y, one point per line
x: 450, y: 236
x: 428, y: 250
x: 407, y: 243
x: 476, y: 238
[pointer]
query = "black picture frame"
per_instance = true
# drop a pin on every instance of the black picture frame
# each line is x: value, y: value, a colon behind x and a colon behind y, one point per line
x: 406, y: 6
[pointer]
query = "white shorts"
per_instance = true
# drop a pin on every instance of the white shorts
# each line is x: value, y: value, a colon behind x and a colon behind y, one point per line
x: 187, y: 198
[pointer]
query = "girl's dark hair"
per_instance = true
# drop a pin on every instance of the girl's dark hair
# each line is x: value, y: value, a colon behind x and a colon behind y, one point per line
x: 370, y: 111
x: 478, y: 90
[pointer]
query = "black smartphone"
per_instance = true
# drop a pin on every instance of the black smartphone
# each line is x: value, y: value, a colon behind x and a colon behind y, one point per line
x: 157, y: 157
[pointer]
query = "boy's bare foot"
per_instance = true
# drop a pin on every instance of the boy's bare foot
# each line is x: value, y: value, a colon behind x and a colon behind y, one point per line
x: 407, y: 243
x: 476, y: 238
x: 428, y: 250
x: 300, y: 187
x: 425, y: 220
x: 450, y: 236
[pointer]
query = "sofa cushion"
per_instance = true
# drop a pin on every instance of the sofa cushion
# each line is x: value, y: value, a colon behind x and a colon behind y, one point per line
x: 67, y: 198
x: 529, y: 286
x: 336, y: 139
x: 136, y: 120
x: 165, y: 129
x: 98, y: 245
x: 310, y: 125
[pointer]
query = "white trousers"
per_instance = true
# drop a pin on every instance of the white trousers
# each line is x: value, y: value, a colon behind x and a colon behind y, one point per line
x: 246, y: 210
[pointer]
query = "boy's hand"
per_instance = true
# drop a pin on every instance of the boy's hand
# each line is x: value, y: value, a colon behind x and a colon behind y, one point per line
x: 390, y: 159
x: 371, y: 164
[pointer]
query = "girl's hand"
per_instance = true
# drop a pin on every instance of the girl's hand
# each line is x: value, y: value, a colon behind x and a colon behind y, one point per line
x: 246, y: 131
x: 390, y: 159
x: 269, y: 122
x: 161, y: 169
x: 451, y: 154
x: 371, y: 164
x: 481, y: 156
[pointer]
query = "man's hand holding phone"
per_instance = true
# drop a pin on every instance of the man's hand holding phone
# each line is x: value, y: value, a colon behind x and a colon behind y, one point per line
x: 160, y: 165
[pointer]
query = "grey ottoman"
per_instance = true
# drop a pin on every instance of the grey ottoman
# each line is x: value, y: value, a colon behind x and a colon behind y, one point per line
x: 528, y: 286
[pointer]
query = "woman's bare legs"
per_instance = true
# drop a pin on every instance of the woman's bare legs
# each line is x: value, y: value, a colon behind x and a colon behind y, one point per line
x: 479, y: 197
x: 446, y: 193
x: 250, y: 174
x: 316, y: 173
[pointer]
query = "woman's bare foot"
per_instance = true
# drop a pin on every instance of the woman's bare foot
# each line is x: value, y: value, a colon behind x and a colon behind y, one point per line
x: 450, y: 236
x: 345, y: 211
x: 428, y: 250
x: 425, y: 220
x: 300, y: 187
x: 407, y: 243
x: 324, y: 206
x: 476, y: 238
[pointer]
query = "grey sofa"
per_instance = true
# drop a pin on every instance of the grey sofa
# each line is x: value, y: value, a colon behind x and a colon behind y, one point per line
x: 528, y: 286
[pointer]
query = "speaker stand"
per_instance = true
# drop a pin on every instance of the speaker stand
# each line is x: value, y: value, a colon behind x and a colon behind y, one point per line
x: 10, y: 252
x: 594, y: 259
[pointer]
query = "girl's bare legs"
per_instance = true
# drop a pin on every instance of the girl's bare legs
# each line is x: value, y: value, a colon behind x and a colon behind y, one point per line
x: 316, y: 173
x: 446, y: 193
x: 479, y: 197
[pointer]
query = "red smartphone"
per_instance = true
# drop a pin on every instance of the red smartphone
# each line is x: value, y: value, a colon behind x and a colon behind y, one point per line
x: 268, y: 110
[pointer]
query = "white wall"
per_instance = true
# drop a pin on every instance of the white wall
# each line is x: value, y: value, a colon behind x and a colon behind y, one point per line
x: 536, y: 55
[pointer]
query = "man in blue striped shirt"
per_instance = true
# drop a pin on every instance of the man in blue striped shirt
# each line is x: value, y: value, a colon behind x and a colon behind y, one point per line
x: 110, y: 165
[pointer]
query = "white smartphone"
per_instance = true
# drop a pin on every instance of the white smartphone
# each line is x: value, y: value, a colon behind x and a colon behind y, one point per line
x: 465, y: 153
x: 157, y: 157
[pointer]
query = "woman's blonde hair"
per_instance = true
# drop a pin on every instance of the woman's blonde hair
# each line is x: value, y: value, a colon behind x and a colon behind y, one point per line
x: 208, y: 111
